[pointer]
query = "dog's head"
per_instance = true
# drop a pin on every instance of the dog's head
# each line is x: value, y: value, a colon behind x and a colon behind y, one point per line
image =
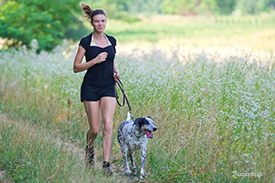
x: 147, y: 125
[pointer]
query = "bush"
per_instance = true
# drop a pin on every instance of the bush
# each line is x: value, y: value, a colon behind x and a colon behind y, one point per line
x: 46, y: 21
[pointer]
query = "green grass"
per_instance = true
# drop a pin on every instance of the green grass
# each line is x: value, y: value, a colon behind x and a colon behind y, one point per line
x: 32, y: 153
x: 252, y: 32
x: 214, y: 110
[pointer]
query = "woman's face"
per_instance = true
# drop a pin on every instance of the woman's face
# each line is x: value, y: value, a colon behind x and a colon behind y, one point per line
x: 99, y: 23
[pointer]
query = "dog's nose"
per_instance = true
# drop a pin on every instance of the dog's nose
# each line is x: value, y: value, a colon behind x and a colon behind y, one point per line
x: 155, y: 129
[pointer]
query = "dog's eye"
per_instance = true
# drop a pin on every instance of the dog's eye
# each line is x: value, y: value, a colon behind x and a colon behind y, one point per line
x: 145, y: 121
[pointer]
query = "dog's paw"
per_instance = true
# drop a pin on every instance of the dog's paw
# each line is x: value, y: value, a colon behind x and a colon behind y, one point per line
x: 128, y: 172
x: 134, y: 171
x: 142, y: 174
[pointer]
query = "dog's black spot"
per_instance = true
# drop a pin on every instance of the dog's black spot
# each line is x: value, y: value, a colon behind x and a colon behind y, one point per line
x: 141, y: 121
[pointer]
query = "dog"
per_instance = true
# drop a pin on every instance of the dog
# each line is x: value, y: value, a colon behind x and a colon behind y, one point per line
x: 134, y: 135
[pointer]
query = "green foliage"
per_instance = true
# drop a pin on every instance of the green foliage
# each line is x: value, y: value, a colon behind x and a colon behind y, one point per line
x: 255, y: 6
x: 146, y: 7
x: 43, y: 20
x: 184, y: 7
x: 187, y: 7
x: 225, y: 6
x: 247, y: 6
x: 119, y: 10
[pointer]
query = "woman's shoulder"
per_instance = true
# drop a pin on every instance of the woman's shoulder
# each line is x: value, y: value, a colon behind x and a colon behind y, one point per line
x: 112, y: 39
x: 85, y: 41
x: 87, y: 38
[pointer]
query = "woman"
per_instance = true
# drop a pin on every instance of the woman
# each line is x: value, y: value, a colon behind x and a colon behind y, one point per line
x: 97, y: 89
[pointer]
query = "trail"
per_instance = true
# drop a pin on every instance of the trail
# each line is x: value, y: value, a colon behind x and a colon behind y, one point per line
x: 118, y: 175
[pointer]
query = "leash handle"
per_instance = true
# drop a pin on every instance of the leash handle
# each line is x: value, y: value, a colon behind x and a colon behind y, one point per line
x: 120, y: 85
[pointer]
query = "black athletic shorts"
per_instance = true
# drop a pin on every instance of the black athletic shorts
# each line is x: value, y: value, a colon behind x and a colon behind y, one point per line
x: 91, y: 93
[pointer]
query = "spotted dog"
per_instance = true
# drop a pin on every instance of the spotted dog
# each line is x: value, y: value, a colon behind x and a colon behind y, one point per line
x: 134, y: 135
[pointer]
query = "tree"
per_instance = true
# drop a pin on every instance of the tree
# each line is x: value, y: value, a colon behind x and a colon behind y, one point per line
x: 148, y: 7
x: 43, y: 20
x: 226, y: 6
x: 255, y: 6
x: 266, y: 5
x: 179, y: 6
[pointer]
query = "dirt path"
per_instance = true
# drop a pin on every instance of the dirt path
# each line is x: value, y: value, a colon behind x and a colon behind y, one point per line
x: 118, y: 175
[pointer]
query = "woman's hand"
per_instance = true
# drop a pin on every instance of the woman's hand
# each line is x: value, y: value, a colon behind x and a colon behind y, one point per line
x: 100, y: 57
x: 116, y: 75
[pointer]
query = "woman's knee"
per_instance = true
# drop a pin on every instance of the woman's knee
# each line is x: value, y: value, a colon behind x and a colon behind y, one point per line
x: 108, y: 127
x: 93, y: 132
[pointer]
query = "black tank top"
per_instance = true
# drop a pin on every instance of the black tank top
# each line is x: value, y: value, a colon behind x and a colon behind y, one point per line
x: 99, y: 75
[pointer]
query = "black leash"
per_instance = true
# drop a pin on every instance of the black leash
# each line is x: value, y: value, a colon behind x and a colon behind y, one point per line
x: 119, y: 83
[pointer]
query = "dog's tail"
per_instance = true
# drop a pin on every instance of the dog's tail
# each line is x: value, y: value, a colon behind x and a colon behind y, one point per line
x: 128, y: 117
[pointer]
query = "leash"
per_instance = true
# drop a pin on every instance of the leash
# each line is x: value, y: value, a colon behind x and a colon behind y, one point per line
x: 120, y: 85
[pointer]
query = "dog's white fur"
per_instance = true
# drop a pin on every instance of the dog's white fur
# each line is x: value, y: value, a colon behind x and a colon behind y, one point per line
x: 134, y: 135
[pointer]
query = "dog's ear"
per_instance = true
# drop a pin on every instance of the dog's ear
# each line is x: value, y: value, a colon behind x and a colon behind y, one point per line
x: 137, y: 120
x: 141, y: 121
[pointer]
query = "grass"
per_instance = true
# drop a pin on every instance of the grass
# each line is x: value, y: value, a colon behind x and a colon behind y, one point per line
x: 254, y: 33
x: 214, y: 112
x: 31, y: 153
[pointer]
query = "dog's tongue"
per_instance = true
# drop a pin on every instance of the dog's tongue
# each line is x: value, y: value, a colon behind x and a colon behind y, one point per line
x: 148, y: 134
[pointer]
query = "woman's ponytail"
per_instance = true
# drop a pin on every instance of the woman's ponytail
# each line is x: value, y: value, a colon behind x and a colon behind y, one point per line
x: 87, y: 10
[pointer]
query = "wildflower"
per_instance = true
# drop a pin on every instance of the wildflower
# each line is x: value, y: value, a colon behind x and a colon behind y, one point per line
x: 195, y: 174
x: 220, y: 154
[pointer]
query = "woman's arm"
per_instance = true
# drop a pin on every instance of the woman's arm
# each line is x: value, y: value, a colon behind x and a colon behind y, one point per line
x: 116, y: 74
x: 79, y: 67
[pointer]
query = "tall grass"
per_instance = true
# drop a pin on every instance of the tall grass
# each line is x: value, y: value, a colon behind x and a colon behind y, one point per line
x: 32, y: 153
x: 255, y: 33
x: 214, y: 113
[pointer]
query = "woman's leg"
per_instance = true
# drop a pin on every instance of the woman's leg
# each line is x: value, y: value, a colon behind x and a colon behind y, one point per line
x: 108, y: 105
x: 93, y: 113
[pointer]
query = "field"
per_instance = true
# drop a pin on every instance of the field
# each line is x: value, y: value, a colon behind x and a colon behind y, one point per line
x: 210, y: 90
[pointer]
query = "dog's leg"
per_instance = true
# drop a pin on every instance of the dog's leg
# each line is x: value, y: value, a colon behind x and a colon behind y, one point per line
x: 134, y: 168
x: 123, y: 147
x: 124, y: 152
x: 143, y: 157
